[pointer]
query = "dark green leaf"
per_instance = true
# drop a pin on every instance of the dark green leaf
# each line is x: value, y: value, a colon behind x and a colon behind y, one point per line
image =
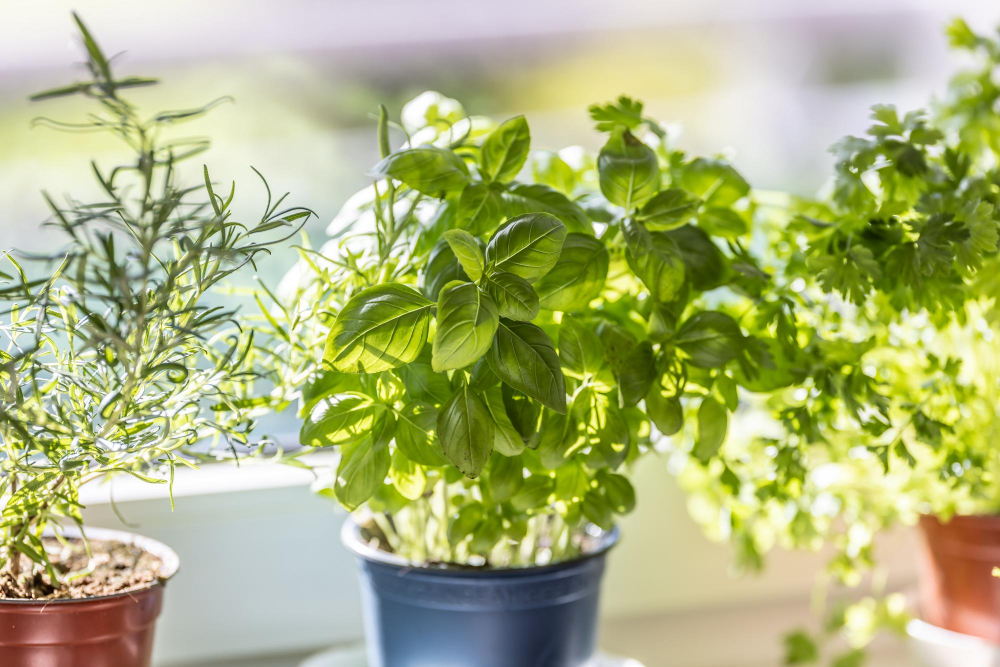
x: 597, y: 510
x: 580, y: 349
x: 506, y: 475
x: 442, y: 268
x: 637, y: 374
x: 704, y: 264
x: 416, y: 428
x: 618, y: 490
x: 712, y: 425
x: 534, y: 494
x: 661, y: 268
x: 523, y: 357
x: 629, y: 171
x: 466, y: 431
x: 712, y: 339
x: 666, y: 412
x: 522, y: 199
x: 507, y: 441
x: 361, y: 472
x: 669, y: 209
x: 480, y: 208
x: 716, y: 182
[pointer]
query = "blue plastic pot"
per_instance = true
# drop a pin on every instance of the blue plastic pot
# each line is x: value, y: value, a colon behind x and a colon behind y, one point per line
x: 461, y: 617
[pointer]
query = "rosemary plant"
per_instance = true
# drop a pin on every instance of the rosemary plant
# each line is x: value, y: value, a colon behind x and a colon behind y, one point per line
x: 112, y: 358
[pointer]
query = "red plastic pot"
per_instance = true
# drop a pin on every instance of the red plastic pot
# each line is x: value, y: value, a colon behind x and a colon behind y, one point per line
x: 106, y: 631
x: 957, y: 588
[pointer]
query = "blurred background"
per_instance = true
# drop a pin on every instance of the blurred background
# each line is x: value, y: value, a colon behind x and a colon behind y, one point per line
x: 771, y: 83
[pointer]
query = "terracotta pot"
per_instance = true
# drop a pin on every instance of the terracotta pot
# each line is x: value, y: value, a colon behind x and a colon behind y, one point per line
x: 106, y: 631
x: 957, y: 588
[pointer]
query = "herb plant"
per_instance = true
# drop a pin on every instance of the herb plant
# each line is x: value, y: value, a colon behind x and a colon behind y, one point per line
x: 112, y: 358
x: 498, y: 349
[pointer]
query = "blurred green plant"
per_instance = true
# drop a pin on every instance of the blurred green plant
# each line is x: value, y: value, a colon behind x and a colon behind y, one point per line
x: 113, y: 362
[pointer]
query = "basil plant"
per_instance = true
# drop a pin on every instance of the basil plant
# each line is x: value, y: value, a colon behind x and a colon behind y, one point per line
x: 491, y: 337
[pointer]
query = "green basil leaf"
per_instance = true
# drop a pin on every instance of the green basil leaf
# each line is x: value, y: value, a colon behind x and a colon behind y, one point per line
x: 597, y: 510
x: 558, y: 439
x: 572, y: 482
x: 523, y: 357
x: 506, y: 150
x: 467, y: 251
x: 422, y: 383
x: 506, y: 475
x: 669, y: 209
x: 637, y: 374
x: 578, y: 277
x: 465, y: 522
x: 527, y: 246
x: 337, y: 420
x: 705, y: 265
x: 628, y: 170
x: 618, y: 491
x: 521, y: 410
x: 442, y: 268
x: 487, y: 534
x: 617, y: 343
x: 467, y: 321
x: 320, y: 385
x: 579, y: 347
x: 724, y: 222
x: 480, y: 208
x: 416, y: 428
x: 727, y: 389
x: 409, y: 478
x: 712, y: 339
x: 432, y: 171
x: 534, y: 494
x: 507, y: 441
x: 666, y: 412
x: 716, y: 182
x: 514, y: 296
x: 379, y: 329
x: 482, y: 377
x: 661, y: 268
x: 361, y: 472
x: 551, y: 170
x: 712, y: 425
x: 523, y: 199
x: 466, y: 431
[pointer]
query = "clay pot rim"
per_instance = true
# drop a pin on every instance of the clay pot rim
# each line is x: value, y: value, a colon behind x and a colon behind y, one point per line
x: 169, y: 557
x: 350, y: 536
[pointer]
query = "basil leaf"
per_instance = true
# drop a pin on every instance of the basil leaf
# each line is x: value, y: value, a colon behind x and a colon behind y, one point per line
x: 558, y: 438
x: 522, y: 199
x: 637, y: 375
x: 716, y: 182
x: 534, y: 494
x: 666, y: 412
x: 409, y: 478
x: 669, y: 209
x: 661, y: 268
x: 467, y: 320
x: 507, y: 441
x: 723, y: 222
x: 466, y: 431
x: 416, y: 428
x: 712, y: 425
x: 380, y: 328
x: 423, y: 383
x: 337, y: 420
x: 712, y: 339
x: 514, y: 296
x: 521, y: 410
x: 551, y: 170
x: 705, y: 265
x: 361, y: 472
x: 618, y: 491
x: 465, y: 522
x: 432, y: 171
x: 579, y: 347
x: 578, y: 277
x: 467, y: 251
x: 442, y: 268
x: 480, y: 208
x: 628, y: 170
x: 597, y: 510
x: 571, y: 482
x: 523, y: 356
x: 482, y: 377
x: 617, y: 343
x: 506, y: 475
x: 527, y: 246
x: 506, y: 150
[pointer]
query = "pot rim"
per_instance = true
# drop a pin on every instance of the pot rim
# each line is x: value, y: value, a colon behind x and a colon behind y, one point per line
x: 169, y: 557
x: 350, y: 536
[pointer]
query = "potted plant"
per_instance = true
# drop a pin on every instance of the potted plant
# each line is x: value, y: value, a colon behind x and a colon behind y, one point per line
x: 113, y: 360
x: 900, y: 265
x: 496, y: 352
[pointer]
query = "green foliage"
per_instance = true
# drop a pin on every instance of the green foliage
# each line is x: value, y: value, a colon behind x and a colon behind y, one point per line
x: 117, y: 361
